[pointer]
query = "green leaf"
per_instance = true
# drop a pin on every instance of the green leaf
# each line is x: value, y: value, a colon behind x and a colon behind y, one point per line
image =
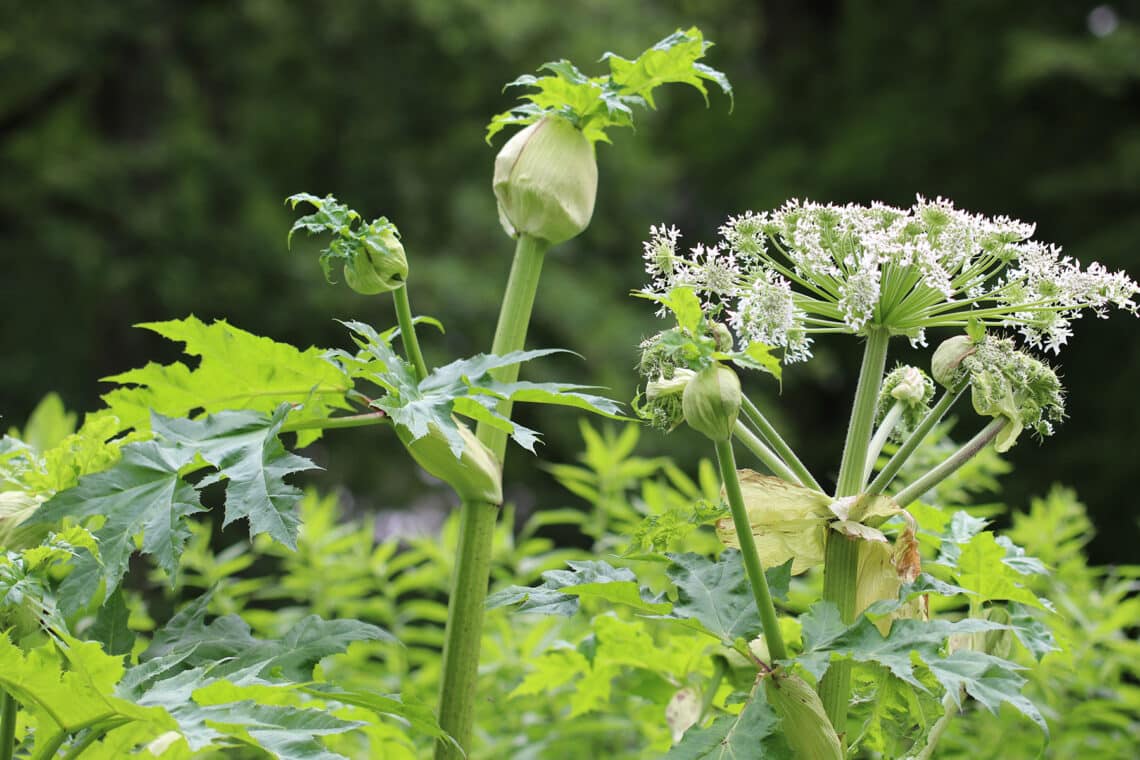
x: 48, y: 424
x: 143, y: 493
x: 594, y: 104
x: 248, y: 455
x: 464, y: 387
x: 990, y: 680
x: 718, y: 594
x: 238, y: 370
x: 561, y: 590
x: 982, y: 568
x: 751, y: 735
x: 110, y: 628
x: 418, y: 717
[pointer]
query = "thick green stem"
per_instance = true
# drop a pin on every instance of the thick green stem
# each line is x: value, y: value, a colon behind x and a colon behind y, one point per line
x: 8, y: 707
x: 748, y: 551
x: 841, y: 557
x: 779, y: 445
x: 408, y: 331
x: 477, y: 520
x: 763, y: 453
x: 951, y: 464
x: 914, y: 440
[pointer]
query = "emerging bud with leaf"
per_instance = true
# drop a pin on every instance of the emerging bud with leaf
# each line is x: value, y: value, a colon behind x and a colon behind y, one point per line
x: 475, y: 475
x: 546, y: 180
x: 911, y: 390
x: 711, y: 402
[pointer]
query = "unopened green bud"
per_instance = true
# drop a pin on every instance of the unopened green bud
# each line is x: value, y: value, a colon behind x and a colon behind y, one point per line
x: 379, y: 265
x: 546, y: 180
x: 475, y: 475
x: 946, y: 365
x: 999, y: 643
x: 803, y: 721
x: 723, y: 337
x: 711, y: 402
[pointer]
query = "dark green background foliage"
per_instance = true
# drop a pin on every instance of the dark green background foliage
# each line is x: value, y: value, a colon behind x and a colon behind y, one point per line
x: 146, y: 149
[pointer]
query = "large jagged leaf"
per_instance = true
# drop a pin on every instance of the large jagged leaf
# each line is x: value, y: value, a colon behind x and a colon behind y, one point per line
x: 145, y: 494
x: 463, y: 387
x: 248, y: 455
x: 238, y: 370
x: 983, y: 568
x: 718, y: 595
x: 989, y: 679
x: 229, y: 641
x: 561, y: 590
x: 753, y: 734
x: 419, y: 718
x: 594, y: 104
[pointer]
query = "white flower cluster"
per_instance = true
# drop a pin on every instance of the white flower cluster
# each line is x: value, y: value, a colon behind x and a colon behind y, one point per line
x: 807, y: 268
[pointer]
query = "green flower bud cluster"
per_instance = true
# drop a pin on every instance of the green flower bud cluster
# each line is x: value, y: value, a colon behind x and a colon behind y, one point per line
x: 711, y: 402
x: 1004, y: 382
x: 914, y: 389
x: 475, y: 475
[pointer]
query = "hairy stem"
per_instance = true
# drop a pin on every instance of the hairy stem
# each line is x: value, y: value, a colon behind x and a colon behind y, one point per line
x: 841, y: 557
x: 408, y: 331
x: 881, y: 435
x: 779, y: 445
x: 951, y: 464
x: 477, y: 520
x: 748, y: 551
x: 763, y: 453
x: 8, y: 706
x: 915, y: 439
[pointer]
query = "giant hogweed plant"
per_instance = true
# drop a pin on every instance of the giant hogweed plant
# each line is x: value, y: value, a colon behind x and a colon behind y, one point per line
x: 78, y: 506
x: 888, y: 652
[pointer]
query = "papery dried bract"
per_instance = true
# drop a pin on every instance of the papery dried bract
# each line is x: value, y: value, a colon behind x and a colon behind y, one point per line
x: 788, y: 521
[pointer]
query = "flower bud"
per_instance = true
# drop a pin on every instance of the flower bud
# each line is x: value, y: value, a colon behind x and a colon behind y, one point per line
x: 803, y: 721
x: 711, y: 402
x: 377, y: 266
x: 723, y: 337
x: 945, y: 366
x: 475, y: 475
x: 546, y: 179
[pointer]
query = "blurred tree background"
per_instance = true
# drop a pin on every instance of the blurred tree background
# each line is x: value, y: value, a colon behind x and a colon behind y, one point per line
x: 146, y: 148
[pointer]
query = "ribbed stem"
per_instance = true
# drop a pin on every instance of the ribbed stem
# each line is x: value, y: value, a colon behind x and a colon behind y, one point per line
x: 763, y: 453
x: 334, y: 423
x: 915, y: 439
x: 841, y: 557
x: 408, y: 331
x: 8, y: 706
x: 951, y: 464
x: 477, y: 520
x: 779, y: 445
x: 748, y: 551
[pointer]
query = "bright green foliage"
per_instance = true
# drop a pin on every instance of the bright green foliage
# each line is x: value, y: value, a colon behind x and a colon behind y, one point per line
x: 238, y: 370
x: 146, y: 493
x: 594, y: 104
x: 561, y: 590
x: 752, y: 734
x: 463, y: 387
x: 42, y: 464
x: 47, y: 425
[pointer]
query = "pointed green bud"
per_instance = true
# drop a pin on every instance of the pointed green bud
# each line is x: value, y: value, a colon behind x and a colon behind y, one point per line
x: 546, y: 179
x: 475, y: 475
x: 379, y: 265
x: 711, y: 402
x: 946, y: 365
x: 803, y: 721
x: 723, y: 337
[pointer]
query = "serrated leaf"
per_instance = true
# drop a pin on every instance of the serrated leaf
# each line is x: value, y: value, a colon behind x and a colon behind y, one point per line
x: 143, y: 493
x: 753, y: 734
x: 982, y: 568
x: 990, y: 680
x: 561, y: 590
x: 248, y: 455
x: 238, y: 370
x: 595, y: 104
x: 110, y: 627
x: 718, y: 594
x: 418, y: 717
